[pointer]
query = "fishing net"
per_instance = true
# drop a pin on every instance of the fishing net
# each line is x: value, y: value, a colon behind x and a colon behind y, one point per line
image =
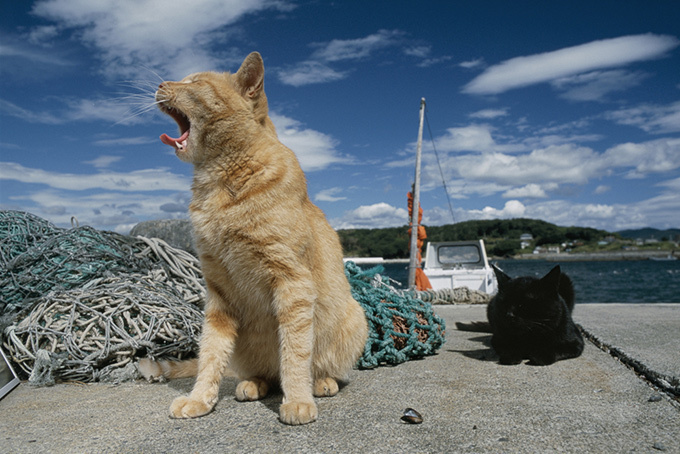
x: 401, y: 326
x: 90, y: 332
x: 82, y: 304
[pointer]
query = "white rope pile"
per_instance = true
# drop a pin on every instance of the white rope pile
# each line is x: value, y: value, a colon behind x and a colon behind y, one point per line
x: 82, y: 304
x: 92, y: 333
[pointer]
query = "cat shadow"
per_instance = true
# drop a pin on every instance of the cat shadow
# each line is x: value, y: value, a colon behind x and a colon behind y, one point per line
x: 185, y: 385
x: 481, y: 354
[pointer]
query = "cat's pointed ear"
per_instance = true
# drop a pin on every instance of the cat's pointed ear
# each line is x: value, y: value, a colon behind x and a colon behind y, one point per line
x: 501, y: 277
x: 250, y: 76
x: 553, y: 277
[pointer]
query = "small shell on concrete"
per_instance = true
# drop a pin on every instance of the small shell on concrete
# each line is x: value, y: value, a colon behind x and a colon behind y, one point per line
x: 411, y: 416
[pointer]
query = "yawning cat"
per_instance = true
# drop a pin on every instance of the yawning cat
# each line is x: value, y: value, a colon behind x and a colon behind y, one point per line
x: 530, y: 318
x: 279, y: 308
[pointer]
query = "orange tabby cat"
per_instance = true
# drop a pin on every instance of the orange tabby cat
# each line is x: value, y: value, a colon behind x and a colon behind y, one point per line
x: 279, y: 308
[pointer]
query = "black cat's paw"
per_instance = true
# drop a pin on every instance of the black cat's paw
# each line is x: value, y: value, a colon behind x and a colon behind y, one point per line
x: 541, y: 361
x: 509, y: 361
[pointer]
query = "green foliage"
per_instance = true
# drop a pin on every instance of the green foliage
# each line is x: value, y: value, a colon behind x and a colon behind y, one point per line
x: 500, y: 235
x: 504, y: 248
x: 388, y: 243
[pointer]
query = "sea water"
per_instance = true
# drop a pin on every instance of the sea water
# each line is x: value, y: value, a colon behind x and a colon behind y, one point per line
x: 640, y: 281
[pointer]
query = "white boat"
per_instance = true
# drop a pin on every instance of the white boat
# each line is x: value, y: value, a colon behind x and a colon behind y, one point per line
x: 453, y: 264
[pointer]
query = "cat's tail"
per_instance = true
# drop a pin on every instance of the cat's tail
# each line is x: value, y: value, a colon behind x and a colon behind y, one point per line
x: 159, y: 370
x: 478, y: 327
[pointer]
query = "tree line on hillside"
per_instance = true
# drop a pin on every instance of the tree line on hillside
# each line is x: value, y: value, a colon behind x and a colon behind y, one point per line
x: 501, y: 237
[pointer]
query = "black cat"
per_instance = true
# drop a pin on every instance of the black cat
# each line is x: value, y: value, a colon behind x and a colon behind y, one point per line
x: 530, y: 318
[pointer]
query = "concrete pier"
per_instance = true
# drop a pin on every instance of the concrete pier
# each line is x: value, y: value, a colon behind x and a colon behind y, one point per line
x: 614, y: 398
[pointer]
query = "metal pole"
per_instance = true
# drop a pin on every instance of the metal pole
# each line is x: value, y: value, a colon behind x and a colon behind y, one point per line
x: 413, y: 263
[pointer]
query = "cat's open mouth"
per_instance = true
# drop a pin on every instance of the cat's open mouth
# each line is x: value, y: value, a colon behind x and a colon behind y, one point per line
x: 180, y: 143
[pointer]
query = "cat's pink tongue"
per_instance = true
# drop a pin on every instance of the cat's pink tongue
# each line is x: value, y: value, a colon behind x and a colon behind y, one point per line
x: 166, y: 139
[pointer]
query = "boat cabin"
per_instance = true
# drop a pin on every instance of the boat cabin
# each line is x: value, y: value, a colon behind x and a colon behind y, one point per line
x: 455, y: 264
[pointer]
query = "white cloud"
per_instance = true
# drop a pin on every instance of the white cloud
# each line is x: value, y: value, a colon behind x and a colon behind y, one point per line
x: 315, y: 150
x: 655, y: 156
x: 418, y: 51
x: 68, y: 110
x: 673, y: 185
x: 377, y: 215
x: 117, y: 211
x: 169, y: 35
x: 136, y: 181
x: 469, y: 138
x: 43, y: 34
x: 472, y: 63
x: 103, y: 161
x: 549, y: 66
x: 316, y: 69
x: 512, y: 209
x: 329, y: 195
x: 594, y: 86
x: 554, y: 164
x: 654, y: 119
x: 474, y: 163
x: 475, y: 137
x: 489, y: 113
x: 530, y: 190
x: 13, y: 110
x: 602, y: 189
x: 309, y: 72
x: 427, y: 62
x: 32, y: 54
x: 354, y: 49
x: 546, y: 140
x: 125, y: 141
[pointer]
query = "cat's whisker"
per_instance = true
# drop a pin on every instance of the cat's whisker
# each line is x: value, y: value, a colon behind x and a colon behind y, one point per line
x: 153, y: 72
x: 136, y: 113
x: 139, y: 102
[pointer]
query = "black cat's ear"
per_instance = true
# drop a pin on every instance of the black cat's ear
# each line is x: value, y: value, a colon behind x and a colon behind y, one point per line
x: 501, y: 277
x: 250, y: 76
x: 552, y: 279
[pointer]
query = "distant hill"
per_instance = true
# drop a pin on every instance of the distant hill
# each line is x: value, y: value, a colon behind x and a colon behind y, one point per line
x: 501, y: 236
x: 649, y: 233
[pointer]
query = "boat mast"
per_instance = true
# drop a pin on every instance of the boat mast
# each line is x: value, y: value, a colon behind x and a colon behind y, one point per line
x: 413, y: 254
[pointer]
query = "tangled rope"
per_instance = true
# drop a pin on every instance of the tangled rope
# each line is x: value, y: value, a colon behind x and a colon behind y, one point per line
x: 401, y: 327
x: 81, y: 304
x: 87, y: 334
x: 458, y: 295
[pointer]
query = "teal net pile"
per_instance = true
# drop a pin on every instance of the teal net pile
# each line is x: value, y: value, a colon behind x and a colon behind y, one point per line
x: 401, y: 326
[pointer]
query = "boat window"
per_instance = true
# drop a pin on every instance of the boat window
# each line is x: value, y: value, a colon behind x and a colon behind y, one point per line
x: 458, y: 254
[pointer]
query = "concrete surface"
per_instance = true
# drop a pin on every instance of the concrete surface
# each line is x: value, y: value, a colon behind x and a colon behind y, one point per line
x: 469, y: 403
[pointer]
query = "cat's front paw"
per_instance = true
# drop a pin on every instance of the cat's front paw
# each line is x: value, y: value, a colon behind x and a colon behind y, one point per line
x: 184, y: 407
x: 325, y: 387
x: 249, y: 390
x: 295, y: 413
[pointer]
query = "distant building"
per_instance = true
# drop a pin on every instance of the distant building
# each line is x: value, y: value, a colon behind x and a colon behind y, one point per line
x: 547, y: 250
x: 525, y: 240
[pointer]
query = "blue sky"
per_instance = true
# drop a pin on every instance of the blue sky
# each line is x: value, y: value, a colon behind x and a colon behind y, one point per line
x: 567, y: 112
